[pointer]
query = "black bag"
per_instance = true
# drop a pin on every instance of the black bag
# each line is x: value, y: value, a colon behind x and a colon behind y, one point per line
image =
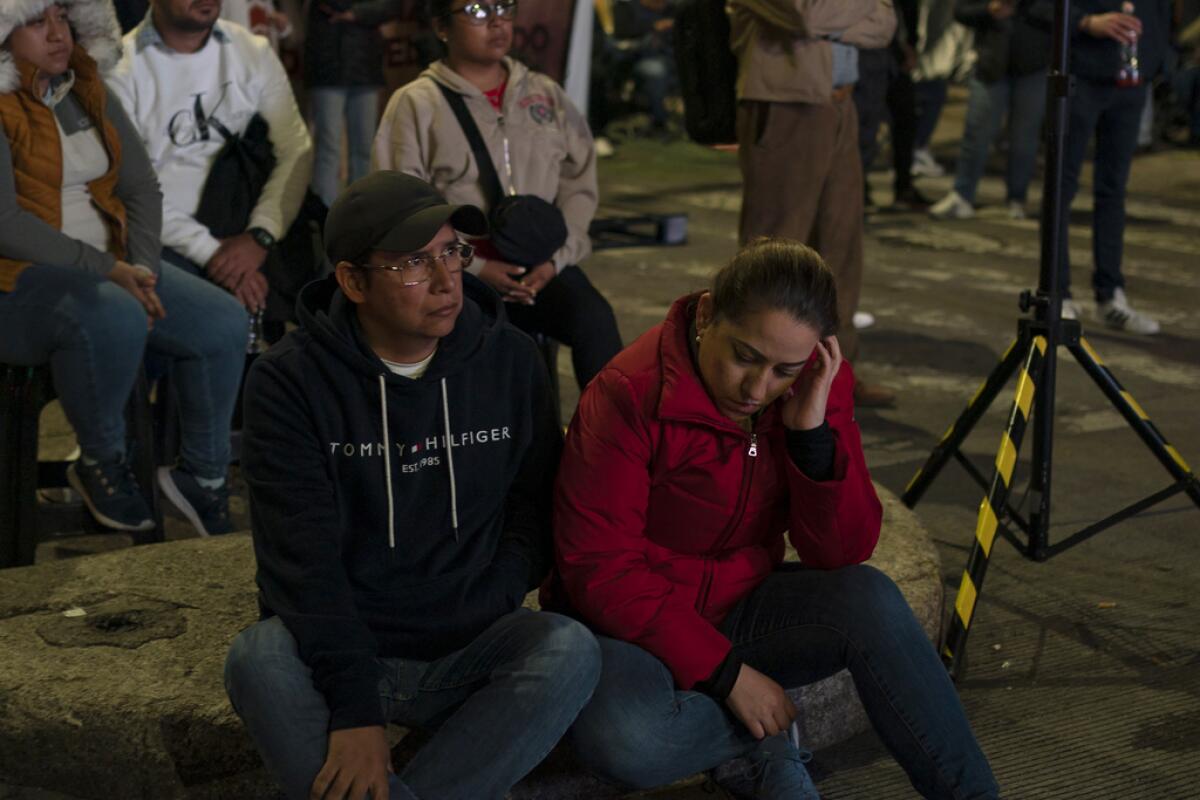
x: 231, y: 191
x: 526, y: 230
x: 707, y: 71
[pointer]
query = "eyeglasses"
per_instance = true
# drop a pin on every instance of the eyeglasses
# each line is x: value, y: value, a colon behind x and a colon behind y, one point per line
x: 479, y: 13
x: 418, y: 269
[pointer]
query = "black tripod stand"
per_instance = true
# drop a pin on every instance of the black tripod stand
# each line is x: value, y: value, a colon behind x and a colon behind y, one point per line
x: 1034, y: 354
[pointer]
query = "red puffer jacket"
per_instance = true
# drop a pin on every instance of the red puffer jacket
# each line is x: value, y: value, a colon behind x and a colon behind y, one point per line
x: 667, y: 513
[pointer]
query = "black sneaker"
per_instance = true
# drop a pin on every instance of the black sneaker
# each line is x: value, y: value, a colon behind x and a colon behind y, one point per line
x: 111, y: 493
x: 206, y: 509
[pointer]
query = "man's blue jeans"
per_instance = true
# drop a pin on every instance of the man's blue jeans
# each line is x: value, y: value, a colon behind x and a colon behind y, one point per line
x: 1023, y: 99
x: 500, y: 704
x: 799, y: 626
x: 93, y: 334
x: 1113, y: 114
x: 354, y: 109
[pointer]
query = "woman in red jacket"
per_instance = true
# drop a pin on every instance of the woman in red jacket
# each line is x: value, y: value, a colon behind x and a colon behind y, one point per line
x: 691, y: 454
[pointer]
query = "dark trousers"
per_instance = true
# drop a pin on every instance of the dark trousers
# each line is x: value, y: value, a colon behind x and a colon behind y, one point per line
x: 571, y: 310
x: 799, y: 626
x: 802, y: 179
x: 1113, y: 115
x: 885, y: 92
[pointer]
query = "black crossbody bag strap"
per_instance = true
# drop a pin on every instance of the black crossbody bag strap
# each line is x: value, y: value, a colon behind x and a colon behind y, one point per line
x: 492, y: 188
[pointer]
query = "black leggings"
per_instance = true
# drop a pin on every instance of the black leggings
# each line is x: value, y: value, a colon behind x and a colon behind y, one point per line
x: 570, y: 309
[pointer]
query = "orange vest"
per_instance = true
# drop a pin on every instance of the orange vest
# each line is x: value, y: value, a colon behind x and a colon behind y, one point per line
x: 37, y: 155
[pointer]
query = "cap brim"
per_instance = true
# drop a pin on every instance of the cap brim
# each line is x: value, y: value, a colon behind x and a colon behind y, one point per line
x: 418, y: 230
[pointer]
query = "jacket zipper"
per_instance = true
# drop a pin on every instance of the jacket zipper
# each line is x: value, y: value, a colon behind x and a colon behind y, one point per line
x: 738, y: 511
x: 508, y: 173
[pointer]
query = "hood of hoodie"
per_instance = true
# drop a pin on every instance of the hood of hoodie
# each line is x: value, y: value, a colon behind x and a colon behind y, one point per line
x: 441, y: 73
x: 329, y: 317
x: 94, y: 23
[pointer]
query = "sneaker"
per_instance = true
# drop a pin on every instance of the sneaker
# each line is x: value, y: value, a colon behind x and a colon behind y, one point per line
x: 1069, y: 309
x: 863, y: 320
x: 604, y: 147
x: 111, y: 493
x: 207, y: 509
x: 1016, y: 209
x: 924, y: 165
x: 952, y: 206
x: 774, y: 770
x: 1117, y: 313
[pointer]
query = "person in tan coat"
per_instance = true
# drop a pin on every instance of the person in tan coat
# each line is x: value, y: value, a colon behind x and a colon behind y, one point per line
x: 538, y: 143
x: 797, y: 132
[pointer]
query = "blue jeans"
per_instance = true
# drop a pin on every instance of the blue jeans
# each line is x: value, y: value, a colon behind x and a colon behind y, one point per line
x: 1114, y: 115
x: 931, y: 96
x: 93, y: 333
x: 356, y: 108
x: 799, y: 626
x: 1023, y: 99
x: 501, y: 704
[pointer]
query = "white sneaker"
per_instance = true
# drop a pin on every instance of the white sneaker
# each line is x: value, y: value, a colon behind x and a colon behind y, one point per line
x: 863, y: 319
x: 925, y: 165
x: 1118, y: 314
x: 1069, y: 309
x: 1016, y: 209
x: 952, y: 206
x: 604, y: 147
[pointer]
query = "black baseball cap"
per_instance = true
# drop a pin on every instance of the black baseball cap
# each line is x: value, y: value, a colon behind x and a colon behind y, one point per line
x: 391, y: 210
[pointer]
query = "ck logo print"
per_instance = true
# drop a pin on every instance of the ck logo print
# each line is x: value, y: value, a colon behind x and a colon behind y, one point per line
x: 191, y: 125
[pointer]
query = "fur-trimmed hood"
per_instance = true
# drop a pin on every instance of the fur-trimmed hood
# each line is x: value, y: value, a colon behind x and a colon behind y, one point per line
x: 94, y: 23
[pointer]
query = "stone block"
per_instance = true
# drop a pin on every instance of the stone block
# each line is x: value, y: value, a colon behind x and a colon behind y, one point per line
x: 110, y: 678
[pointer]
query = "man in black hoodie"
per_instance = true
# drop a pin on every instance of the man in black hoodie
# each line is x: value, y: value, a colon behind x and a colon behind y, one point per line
x: 400, y: 452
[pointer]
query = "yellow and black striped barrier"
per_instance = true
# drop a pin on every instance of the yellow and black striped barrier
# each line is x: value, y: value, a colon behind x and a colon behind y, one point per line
x: 992, y: 507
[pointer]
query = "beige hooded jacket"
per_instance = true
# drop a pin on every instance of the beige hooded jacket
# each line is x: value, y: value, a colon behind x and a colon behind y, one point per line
x: 539, y: 143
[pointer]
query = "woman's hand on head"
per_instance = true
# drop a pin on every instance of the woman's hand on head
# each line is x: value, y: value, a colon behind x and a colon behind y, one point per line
x: 805, y: 409
x: 505, y: 278
x: 760, y: 703
x: 140, y: 283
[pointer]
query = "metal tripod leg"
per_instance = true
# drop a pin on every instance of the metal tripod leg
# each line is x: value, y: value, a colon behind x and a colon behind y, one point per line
x: 1137, y: 418
x: 962, y: 427
x: 991, y: 509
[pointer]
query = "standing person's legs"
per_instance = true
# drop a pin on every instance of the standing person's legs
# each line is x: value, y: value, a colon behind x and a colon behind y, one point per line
x: 204, y: 334
x: 1116, y: 143
x: 362, y: 116
x: 801, y: 625
x: 571, y: 310
x: 505, y: 699
x: 92, y: 334
x: 870, y: 95
x: 785, y: 151
x: 1027, y: 106
x: 1083, y: 110
x: 329, y: 111
x: 902, y: 106
x: 838, y: 228
x: 986, y: 104
x: 641, y: 732
x: 931, y: 96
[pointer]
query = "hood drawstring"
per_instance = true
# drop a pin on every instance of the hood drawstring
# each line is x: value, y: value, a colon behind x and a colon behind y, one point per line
x: 387, y: 462
x: 450, y: 459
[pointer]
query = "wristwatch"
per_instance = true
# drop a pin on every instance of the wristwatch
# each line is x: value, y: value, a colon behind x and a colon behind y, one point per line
x: 262, y: 237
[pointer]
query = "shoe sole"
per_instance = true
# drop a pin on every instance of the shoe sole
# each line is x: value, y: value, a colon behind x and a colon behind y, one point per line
x: 106, y: 521
x: 172, y: 493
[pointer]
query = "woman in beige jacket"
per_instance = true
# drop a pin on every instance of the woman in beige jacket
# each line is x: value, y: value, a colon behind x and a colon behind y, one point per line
x: 539, y: 144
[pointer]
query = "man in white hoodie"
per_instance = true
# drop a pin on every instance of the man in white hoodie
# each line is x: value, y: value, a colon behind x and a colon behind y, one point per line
x: 185, y: 77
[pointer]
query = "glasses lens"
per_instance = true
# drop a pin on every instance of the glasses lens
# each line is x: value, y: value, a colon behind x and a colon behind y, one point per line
x: 476, y: 11
x: 506, y: 9
x: 416, y: 270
